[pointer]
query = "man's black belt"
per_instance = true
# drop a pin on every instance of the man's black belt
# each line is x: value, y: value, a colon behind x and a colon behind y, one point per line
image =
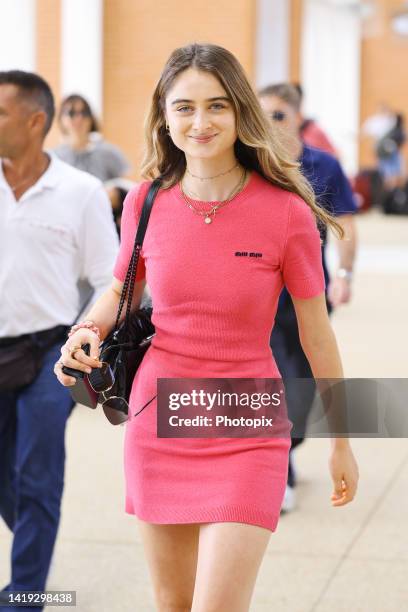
x: 45, y: 337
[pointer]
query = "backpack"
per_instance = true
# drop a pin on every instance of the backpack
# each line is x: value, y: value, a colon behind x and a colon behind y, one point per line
x: 390, y: 142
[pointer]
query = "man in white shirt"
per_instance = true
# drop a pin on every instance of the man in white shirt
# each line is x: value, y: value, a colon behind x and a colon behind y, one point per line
x: 56, y: 229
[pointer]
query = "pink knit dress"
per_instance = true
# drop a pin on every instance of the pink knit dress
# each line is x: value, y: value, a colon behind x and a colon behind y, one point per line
x: 213, y: 313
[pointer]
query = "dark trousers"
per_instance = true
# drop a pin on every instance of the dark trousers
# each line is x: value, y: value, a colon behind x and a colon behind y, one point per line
x: 32, y: 457
x: 292, y: 364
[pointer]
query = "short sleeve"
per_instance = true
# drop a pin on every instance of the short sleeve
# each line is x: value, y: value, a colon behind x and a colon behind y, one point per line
x: 132, y: 207
x: 97, y: 241
x: 302, y: 268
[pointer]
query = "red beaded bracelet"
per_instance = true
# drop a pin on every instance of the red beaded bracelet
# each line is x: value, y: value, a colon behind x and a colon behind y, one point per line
x: 85, y: 325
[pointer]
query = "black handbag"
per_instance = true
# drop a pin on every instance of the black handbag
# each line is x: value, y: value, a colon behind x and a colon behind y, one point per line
x: 123, y: 349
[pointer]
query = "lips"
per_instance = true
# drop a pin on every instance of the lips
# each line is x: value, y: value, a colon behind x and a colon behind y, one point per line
x: 203, y: 139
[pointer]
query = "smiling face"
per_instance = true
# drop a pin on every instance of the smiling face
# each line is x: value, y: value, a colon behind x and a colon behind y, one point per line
x: 200, y: 116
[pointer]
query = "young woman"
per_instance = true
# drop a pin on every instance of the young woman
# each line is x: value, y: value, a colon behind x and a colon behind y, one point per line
x: 207, y: 507
x: 83, y: 147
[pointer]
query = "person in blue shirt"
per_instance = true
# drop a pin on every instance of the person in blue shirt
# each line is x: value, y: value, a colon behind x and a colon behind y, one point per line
x: 282, y: 103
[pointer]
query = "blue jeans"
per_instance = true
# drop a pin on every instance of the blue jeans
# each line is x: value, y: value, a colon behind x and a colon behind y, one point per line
x: 391, y: 166
x: 32, y: 457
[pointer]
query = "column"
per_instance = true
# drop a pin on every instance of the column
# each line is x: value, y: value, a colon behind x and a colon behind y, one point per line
x: 17, y: 35
x: 81, y: 58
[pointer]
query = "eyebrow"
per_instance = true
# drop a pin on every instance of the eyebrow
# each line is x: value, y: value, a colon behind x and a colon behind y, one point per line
x: 208, y: 100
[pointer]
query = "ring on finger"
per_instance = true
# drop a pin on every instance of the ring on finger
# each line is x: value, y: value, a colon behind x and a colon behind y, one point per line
x: 73, y: 350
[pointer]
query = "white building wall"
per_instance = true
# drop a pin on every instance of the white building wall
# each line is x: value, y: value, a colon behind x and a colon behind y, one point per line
x: 272, y: 42
x: 82, y: 53
x: 330, y: 72
x: 17, y: 35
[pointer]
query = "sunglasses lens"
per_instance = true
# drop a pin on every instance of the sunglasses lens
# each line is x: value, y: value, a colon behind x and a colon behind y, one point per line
x: 73, y: 113
x: 101, y: 379
x: 116, y: 410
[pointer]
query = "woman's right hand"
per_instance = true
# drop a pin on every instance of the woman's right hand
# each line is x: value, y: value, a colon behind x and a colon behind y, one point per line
x: 74, y: 357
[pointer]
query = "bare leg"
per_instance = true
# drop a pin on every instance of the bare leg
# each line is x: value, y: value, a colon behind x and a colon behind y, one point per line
x: 229, y: 558
x: 171, y: 552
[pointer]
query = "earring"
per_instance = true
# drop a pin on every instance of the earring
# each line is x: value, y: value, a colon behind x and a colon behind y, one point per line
x: 167, y: 128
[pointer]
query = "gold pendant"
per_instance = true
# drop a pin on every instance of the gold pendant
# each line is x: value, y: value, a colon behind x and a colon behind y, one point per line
x: 208, y: 220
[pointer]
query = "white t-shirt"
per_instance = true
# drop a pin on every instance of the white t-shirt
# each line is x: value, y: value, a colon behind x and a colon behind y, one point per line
x: 59, y: 232
x: 378, y: 125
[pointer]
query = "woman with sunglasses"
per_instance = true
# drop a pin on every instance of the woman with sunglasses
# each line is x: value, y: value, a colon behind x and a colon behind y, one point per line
x: 207, y: 507
x: 83, y: 147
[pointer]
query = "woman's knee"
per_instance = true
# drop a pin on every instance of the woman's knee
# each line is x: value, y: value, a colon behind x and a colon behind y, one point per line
x: 171, y: 552
x: 169, y: 600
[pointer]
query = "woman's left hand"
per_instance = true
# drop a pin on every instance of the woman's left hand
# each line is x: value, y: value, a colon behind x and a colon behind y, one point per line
x: 344, y: 472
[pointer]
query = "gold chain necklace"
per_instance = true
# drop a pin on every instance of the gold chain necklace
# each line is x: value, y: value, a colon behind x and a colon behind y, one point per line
x: 192, y: 195
x: 207, y: 178
x: 216, y: 207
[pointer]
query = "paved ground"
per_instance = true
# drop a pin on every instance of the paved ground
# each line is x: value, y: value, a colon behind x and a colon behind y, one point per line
x: 321, y: 559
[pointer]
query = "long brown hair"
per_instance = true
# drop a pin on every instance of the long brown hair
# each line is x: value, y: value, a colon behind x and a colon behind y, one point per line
x: 258, y: 146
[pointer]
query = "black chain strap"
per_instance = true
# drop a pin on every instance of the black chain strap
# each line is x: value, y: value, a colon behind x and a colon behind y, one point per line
x: 128, y: 287
x: 132, y: 282
x: 130, y: 279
